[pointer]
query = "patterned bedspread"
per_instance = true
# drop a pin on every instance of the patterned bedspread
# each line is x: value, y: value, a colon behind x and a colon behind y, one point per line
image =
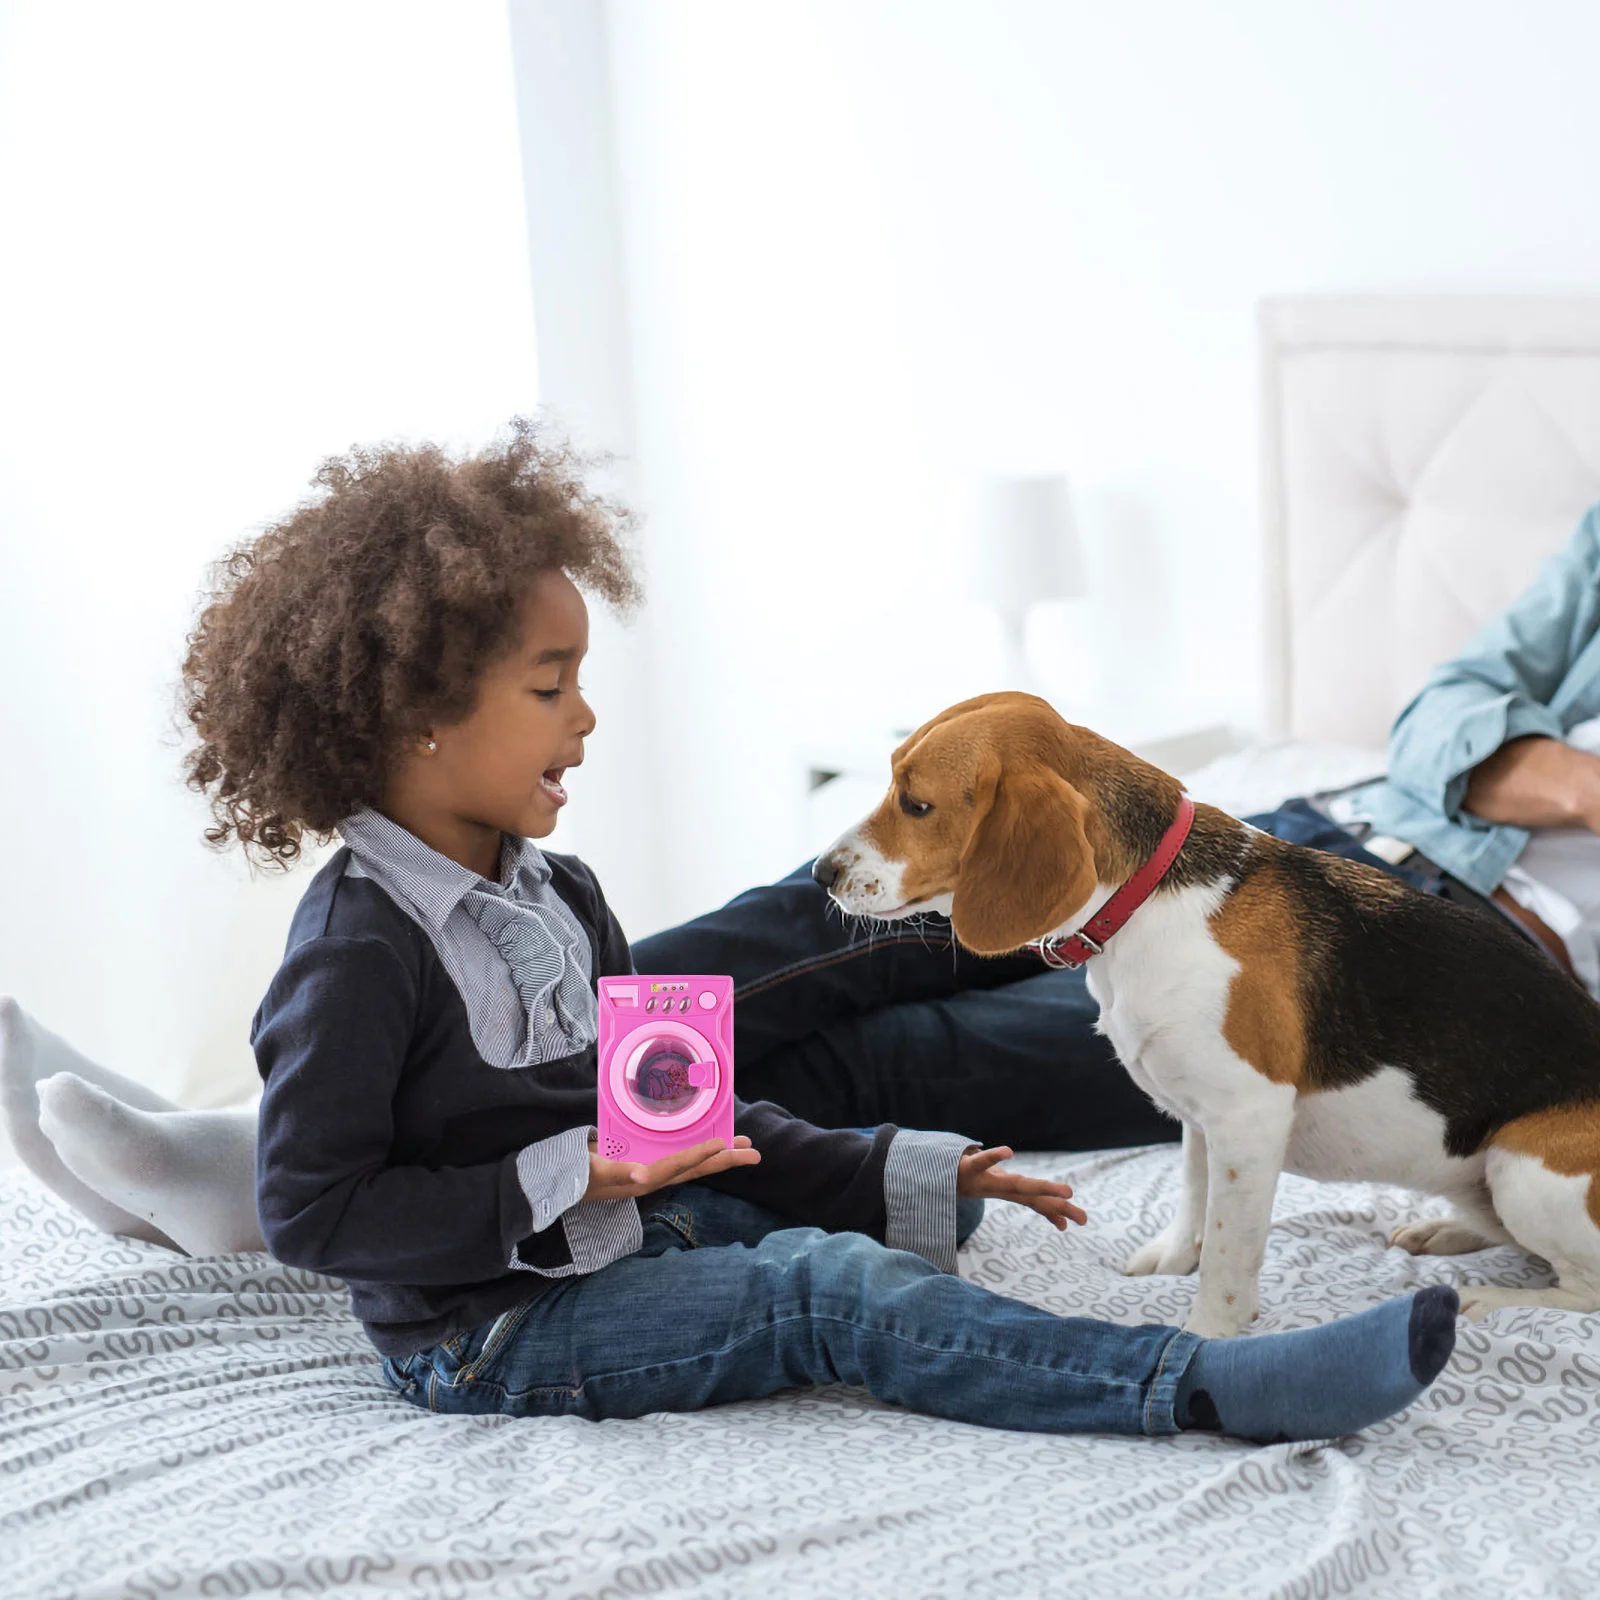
x: 176, y: 1426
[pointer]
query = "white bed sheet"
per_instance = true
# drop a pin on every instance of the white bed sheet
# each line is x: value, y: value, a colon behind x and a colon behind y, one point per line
x: 1260, y: 777
x: 175, y: 1426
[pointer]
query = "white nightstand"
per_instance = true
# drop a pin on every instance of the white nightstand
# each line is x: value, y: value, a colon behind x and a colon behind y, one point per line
x: 842, y: 780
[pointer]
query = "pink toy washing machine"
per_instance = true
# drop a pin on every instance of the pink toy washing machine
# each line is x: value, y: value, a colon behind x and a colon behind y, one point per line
x: 666, y: 1064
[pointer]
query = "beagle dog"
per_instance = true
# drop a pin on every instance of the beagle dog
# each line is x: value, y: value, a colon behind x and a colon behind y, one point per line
x: 1294, y: 1009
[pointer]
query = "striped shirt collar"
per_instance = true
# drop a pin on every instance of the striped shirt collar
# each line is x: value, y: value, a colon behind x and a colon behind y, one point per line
x: 433, y: 883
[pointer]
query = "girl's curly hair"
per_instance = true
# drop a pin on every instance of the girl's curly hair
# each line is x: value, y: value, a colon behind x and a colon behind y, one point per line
x: 331, y: 637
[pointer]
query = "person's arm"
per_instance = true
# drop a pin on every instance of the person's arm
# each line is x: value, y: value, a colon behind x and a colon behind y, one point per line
x: 824, y: 1178
x: 1498, y: 690
x: 828, y: 1178
x: 919, y: 1190
x: 897, y: 1185
x: 330, y: 1042
x: 1535, y: 782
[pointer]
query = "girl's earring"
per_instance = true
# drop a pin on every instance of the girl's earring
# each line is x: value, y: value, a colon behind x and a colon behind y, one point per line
x: 432, y: 746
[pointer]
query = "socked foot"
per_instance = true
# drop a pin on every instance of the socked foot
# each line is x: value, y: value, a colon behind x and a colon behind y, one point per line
x: 28, y: 1053
x: 188, y: 1174
x: 1322, y: 1382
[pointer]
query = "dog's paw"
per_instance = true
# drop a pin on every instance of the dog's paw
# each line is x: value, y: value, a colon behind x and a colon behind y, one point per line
x: 1167, y: 1252
x: 1478, y: 1302
x: 1437, y: 1236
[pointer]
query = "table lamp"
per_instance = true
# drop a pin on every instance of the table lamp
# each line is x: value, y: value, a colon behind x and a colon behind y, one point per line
x: 1021, y: 547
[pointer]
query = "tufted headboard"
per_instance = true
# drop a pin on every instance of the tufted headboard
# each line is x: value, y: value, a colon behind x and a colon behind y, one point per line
x: 1422, y: 455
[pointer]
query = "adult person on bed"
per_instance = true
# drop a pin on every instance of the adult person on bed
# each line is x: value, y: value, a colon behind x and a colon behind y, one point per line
x: 1492, y: 798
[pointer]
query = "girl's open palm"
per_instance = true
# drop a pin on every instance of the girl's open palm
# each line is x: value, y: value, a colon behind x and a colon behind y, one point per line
x: 616, y: 1180
x: 977, y: 1175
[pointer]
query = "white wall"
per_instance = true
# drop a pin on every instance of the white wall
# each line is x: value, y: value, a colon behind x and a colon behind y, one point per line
x: 237, y: 240
x: 854, y: 250
x: 580, y: 309
x: 873, y: 245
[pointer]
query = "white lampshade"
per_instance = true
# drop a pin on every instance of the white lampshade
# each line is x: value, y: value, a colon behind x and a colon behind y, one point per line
x: 1021, y: 543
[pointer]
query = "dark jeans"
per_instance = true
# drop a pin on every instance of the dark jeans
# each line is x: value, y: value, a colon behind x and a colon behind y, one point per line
x: 848, y: 1027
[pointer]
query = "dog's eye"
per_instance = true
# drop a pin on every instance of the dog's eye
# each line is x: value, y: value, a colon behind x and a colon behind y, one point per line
x: 914, y: 808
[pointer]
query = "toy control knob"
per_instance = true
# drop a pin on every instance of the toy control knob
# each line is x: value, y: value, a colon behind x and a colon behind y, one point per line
x: 707, y: 1000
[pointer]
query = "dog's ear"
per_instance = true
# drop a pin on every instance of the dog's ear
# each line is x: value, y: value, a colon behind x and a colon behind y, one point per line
x: 1027, y: 865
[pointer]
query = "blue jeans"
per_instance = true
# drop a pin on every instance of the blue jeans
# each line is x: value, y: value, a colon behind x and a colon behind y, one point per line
x: 724, y: 1301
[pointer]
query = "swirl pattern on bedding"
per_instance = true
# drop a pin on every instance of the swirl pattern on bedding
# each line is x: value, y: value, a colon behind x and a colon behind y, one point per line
x: 219, y: 1425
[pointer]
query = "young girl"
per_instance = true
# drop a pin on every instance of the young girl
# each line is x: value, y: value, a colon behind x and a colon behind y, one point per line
x: 397, y: 661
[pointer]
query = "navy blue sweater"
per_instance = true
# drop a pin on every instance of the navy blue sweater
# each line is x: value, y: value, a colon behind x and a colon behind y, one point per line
x: 387, y: 1151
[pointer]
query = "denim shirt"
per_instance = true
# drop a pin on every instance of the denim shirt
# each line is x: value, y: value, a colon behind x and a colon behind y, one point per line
x: 1533, y: 669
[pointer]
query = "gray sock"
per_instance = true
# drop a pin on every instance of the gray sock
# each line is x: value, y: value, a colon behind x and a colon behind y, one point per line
x: 1323, y: 1382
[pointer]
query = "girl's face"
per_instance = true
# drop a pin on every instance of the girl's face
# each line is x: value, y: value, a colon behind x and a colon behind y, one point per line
x: 501, y: 768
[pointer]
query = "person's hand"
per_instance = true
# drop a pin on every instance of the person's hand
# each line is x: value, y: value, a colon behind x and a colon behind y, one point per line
x: 621, y: 1180
x: 978, y: 1175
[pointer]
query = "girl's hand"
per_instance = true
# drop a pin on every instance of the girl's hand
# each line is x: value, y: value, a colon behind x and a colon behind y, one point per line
x: 620, y: 1180
x: 976, y: 1175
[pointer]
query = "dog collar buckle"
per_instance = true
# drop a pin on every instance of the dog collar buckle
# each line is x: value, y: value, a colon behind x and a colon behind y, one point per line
x: 1050, y: 949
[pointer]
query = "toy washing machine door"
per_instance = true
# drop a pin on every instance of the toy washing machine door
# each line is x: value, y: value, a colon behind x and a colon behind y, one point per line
x: 664, y: 1075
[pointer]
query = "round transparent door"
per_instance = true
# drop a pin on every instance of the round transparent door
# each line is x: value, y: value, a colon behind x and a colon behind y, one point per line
x: 660, y: 1083
x: 668, y: 1073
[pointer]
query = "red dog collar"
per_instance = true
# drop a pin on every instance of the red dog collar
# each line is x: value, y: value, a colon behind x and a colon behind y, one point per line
x: 1073, y: 949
